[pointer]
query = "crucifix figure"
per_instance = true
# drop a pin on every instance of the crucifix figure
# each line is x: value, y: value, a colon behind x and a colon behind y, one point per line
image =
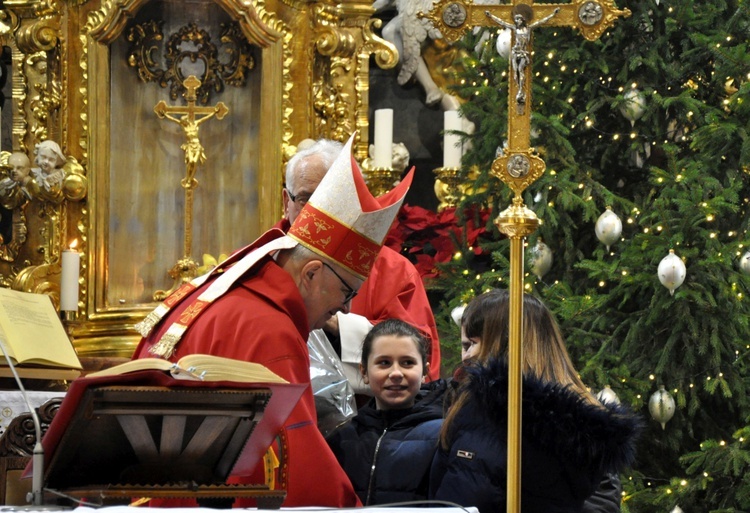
x: 189, y: 117
x: 520, y: 56
x: 519, y: 165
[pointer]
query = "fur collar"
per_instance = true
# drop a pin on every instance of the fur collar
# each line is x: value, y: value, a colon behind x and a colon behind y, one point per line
x: 558, y: 420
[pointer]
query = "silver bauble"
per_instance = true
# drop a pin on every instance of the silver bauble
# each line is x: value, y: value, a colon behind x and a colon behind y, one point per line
x: 661, y: 406
x: 607, y: 395
x: 745, y: 263
x: 502, y: 45
x: 634, y: 106
x: 457, y: 313
x: 672, y: 271
x: 608, y: 228
x: 541, y: 259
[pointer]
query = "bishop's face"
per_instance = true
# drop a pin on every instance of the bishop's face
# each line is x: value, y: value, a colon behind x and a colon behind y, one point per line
x: 329, y: 291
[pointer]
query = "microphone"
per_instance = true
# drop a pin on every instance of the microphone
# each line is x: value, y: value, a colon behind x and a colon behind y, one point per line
x: 36, y: 496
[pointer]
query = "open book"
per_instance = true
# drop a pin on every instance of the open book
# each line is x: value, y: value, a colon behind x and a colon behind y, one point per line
x: 203, y: 367
x: 148, y: 428
x: 34, y: 338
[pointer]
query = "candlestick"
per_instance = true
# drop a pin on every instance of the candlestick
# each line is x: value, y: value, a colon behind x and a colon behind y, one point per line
x: 452, y: 146
x: 71, y: 265
x: 383, y: 154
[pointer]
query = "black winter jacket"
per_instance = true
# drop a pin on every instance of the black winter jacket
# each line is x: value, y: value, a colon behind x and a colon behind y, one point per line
x: 567, y: 446
x: 387, y: 453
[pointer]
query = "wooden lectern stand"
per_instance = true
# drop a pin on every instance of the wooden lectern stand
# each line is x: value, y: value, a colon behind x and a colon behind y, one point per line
x: 147, y: 434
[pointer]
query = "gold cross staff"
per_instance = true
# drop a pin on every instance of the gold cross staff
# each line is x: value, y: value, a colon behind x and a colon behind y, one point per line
x: 519, y: 165
x: 189, y: 117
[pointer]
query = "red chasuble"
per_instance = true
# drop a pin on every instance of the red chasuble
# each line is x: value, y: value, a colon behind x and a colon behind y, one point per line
x: 394, y: 290
x: 263, y: 319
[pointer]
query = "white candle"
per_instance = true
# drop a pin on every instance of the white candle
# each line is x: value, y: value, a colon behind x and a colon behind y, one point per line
x: 383, y: 154
x: 71, y: 265
x: 452, y: 146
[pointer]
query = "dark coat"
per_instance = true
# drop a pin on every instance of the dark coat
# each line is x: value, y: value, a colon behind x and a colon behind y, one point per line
x: 387, y: 454
x: 567, y: 446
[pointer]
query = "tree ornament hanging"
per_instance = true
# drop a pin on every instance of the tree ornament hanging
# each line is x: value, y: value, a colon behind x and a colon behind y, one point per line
x: 607, y: 395
x: 541, y: 259
x: 661, y: 406
x: 608, y: 228
x: 502, y: 45
x: 745, y: 263
x: 676, y: 509
x: 672, y: 271
x: 457, y: 313
x: 634, y: 106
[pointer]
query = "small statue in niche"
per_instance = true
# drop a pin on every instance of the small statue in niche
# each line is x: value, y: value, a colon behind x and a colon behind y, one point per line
x: 47, y: 182
x: 14, y: 196
x: 399, y: 156
x: 422, y: 51
x: 408, y: 33
x: 13, y: 189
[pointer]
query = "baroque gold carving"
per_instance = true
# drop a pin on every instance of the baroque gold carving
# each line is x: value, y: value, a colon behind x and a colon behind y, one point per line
x: 341, y: 88
x: 39, y: 36
x: 190, y: 46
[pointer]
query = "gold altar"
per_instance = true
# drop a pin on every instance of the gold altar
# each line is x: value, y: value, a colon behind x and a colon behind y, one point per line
x: 87, y: 75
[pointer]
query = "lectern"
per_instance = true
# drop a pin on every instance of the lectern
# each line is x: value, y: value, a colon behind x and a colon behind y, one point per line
x: 147, y: 434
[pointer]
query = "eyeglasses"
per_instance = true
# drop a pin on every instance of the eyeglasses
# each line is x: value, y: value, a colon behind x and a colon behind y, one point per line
x: 350, y: 291
x: 303, y: 198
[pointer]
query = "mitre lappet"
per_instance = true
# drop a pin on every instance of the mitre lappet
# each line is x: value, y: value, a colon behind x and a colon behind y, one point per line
x: 342, y: 222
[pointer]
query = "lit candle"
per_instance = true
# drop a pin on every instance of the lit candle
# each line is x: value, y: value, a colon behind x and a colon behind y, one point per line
x: 71, y: 265
x: 383, y: 154
x: 452, y: 146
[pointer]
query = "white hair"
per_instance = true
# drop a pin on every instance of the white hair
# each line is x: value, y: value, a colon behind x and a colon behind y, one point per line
x: 325, y: 149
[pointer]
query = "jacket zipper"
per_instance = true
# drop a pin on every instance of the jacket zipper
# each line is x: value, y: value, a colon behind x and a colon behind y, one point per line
x: 371, y: 482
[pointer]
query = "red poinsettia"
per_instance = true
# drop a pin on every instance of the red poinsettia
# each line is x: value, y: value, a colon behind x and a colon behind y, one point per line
x: 429, y: 238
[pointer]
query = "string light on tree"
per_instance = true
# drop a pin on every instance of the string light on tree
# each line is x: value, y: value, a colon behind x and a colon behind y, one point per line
x: 672, y: 271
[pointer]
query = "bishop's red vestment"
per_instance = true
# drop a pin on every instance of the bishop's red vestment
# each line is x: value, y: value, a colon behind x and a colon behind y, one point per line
x: 394, y: 290
x: 263, y: 319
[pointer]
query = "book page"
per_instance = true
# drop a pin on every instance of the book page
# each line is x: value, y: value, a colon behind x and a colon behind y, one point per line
x: 217, y: 368
x: 33, y: 331
x: 202, y: 367
x: 133, y: 366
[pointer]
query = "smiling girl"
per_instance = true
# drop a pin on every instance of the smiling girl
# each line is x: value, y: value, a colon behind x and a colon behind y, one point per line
x: 388, y: 447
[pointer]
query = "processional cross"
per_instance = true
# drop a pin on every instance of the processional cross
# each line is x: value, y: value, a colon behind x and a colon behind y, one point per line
x: 189, y: 117
x: 519, y: 165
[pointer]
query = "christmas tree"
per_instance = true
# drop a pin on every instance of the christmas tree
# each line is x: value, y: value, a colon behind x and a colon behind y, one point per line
x: 653, y: 122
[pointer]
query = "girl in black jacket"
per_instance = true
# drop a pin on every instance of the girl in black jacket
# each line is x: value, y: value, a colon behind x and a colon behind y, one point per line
x: 569, y: 440
x: 387, y: 449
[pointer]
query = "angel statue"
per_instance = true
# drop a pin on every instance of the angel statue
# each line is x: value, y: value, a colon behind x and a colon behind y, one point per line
x: 409, y: 33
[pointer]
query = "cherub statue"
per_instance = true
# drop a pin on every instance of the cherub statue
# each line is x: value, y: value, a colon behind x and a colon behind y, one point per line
x: 520, y: 53
x: 13, y: 191
x: 400, y: 156
x: 48, y: 178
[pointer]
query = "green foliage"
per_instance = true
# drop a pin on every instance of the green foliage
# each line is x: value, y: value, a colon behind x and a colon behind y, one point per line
x: 679, y: 178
